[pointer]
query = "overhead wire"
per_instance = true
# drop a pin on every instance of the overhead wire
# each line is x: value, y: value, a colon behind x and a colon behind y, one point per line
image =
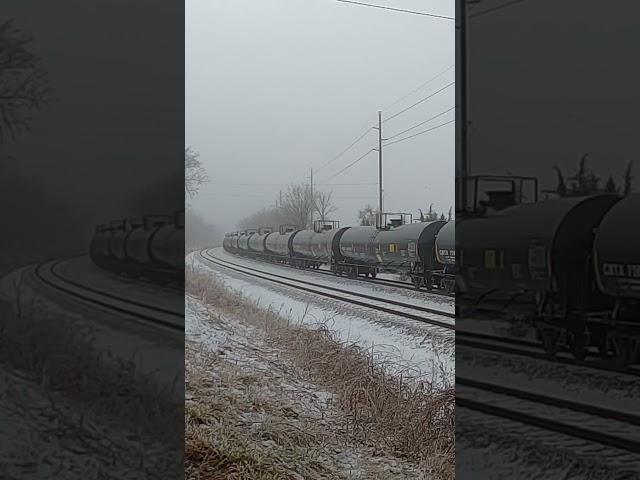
x: 421, y: 123
x: 419, y: 102
x: 419, y: 88
x: 494, y: 9
x: 420, y: 133
x: 347, y: 167
x: 345, y: 150
x: 384, y: 7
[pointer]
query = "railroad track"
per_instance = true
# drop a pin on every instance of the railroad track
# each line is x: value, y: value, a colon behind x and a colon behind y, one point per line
x: 612, y: 428
x: 142, y: 312
x: 402, y: 309
x: 380, y: 281
x: 531, y: 349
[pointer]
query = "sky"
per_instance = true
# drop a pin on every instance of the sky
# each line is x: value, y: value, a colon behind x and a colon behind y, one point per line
x: 565, y: 84
x: 277, y: 87
x: 114, y: 138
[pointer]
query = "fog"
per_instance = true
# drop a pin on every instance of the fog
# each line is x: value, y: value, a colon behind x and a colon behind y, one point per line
x: 111, y: 145
x: 277, y: 87
x: 564, y: 84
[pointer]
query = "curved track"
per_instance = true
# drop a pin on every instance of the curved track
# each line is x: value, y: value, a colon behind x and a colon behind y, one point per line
x: 415, y: 312
x: 140, y: 311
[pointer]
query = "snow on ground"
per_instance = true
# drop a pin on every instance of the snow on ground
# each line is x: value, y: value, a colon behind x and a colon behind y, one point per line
x: 44, y: 435
x: 572, y: 382
x: 403, y: 341
x: 154, y: 352
x: 410, y: 296
x: 483, y: 456
x: 269, y: 401
x: 488, y: 447
x: 80, y: 392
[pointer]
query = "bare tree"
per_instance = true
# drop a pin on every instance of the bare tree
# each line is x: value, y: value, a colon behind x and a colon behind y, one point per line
x: 367, y: 216
x: 297, y: 205
x: 431, y: 216
x: 24, y: 85
x: 194, y: 173
x: 324, y: 204
x: 267, y: 217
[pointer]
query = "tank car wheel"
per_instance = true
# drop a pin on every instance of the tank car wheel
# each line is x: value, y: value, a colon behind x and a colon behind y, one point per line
x: 353, y: 272
x: 578, y: 345
x: 550, y: 340
x: 417, y: 282
x: 373, y: 274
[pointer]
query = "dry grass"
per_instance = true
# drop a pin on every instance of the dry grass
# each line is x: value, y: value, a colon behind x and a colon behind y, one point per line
x: 400, y: 415
x: 123, y: 420
x: 239, y: 428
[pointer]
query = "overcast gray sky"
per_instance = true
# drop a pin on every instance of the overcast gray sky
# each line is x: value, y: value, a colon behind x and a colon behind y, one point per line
x: 276, y: 87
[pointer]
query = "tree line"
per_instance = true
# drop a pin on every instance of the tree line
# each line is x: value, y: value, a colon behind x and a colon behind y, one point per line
x: 585, y: 182
x: 296, y: 206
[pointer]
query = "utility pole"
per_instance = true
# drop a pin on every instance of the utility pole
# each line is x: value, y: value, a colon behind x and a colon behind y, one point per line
x: 461, y: 67
x: 380, y: 168
x: 313, y: 201
x: 280, y: 198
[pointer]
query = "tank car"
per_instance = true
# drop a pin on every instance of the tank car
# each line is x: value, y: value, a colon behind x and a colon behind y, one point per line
x: 400, y: 247
x: 151, y: 247
x: 616, y: 259
x: 278, y: 244
x: 243, y: 241
x: 166, y: 246
x: 445, y: 254
x: 313, y: 248
x: 101, y: 248
x: 226, y: 242
x: 256, y: 242
x: 534, y: 260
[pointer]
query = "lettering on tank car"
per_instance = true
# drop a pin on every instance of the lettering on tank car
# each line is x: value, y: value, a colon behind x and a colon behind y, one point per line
x: 537, y: 256
x: 621, y: 270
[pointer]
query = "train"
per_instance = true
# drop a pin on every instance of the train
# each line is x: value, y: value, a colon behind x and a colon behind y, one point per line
x: 421, y: 251
x: 150, y: 247
x: 571, y: 265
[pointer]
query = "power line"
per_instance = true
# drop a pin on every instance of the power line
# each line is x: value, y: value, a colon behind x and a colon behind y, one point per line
x: 217, y: 194
x: 347, y: 167
x: 419, y: 101
x: 420, y: 133
x: 250, y: 184
x: 421, y: 123
x: 497, y: 7
x: 398, y: 9
x: 420, y: 87
x: 345, y: 184
x: 346, y: 149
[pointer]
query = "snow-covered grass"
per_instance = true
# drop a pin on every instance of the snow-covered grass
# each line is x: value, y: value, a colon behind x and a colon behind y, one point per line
x: 394, y: 411
x: 402, y: 341
x: 69, y: 407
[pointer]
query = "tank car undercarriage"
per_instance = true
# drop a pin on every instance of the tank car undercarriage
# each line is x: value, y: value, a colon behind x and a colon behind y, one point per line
x: 610, y: 334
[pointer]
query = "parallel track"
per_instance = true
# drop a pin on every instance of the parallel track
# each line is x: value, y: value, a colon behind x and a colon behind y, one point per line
x: 327, y: 291
x: 62, y: 285
x: 530, y: 349
x: 515, y: 413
